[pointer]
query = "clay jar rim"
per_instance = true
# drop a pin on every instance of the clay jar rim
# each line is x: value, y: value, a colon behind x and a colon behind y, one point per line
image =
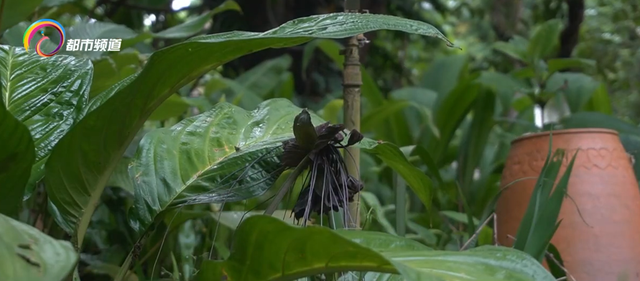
x: 565, y: 132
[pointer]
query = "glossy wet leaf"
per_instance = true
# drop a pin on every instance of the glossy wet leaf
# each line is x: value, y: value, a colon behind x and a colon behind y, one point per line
x: 17, y: 155
x: 46, y: 94
x: 28, y: 254
x: 113, y: 124
x: 196, y: 160
x: 111, y: 69
x: 269, y: 249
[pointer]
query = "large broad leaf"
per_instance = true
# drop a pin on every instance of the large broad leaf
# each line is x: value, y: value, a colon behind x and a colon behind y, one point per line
x: 16, y: 159
x: 111, y: 69
x: 196, y: 160
x: 46, y: 94
x: 83, y: 160
x: 28, y: 254
x: 266, y: 248
x: 228, y: 154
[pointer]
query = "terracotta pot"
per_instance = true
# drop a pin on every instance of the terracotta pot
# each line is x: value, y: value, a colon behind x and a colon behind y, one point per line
x: 604, y: 243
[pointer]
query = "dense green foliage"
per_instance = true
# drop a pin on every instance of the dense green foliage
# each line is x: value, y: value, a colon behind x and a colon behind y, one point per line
x: 148, y: 159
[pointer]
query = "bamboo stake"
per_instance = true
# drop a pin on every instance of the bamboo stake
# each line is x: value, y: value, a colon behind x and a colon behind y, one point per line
x: 351, y: 82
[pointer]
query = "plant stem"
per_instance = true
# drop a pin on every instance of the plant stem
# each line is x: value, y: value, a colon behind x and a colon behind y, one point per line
x: 351, y: 82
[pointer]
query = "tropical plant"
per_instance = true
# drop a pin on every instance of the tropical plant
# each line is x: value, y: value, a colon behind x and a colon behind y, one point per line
x: 156, y: 162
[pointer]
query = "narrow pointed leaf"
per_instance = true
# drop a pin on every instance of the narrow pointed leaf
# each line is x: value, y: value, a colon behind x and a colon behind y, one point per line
x: 46, y: 94
x: 16, y: 158
x: 83, y: 160
x: 391, y: 155
x: 28, y: 254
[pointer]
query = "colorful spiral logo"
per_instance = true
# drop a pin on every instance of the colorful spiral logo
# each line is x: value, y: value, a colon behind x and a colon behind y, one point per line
x: 38, y: 25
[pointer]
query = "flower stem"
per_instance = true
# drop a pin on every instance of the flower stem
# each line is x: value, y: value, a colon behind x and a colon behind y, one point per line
x: 351, y: 82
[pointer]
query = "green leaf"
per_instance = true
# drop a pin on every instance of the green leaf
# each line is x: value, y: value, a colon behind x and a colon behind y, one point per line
x: 16, y: 159
x: 15, y: 11
x: 540, y: 220
x: 459, y: 217
x: 598, y: 120
x: 443, y: 74
x: 113, y: 124
x: 195, y: 25
x: 195, y: 161
x: 45, y: 94
x: 506, y: 86
x: 426, y: 158
x: 475, y: 140
x: 544, y: 40
x: 253, y: 86
x: 600, y: 101
x: 449, y: 112
x: 232, y: 219
x: 515, y: 48
x: 174, y: 106
x: 382, y: 242
x: 419, y: 117
x: 290, y: 252
x: 295, y: 252
x: 28, y: 254
x: 120, y: 176
x: 371, y: 121
x: 391, y: 155
x: 111, y: 69
x: 577, y: 88
x: 371, y: 201
x: 554, y: 65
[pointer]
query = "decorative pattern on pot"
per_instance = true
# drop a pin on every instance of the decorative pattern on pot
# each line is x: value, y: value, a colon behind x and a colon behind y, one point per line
x: 598, y: 236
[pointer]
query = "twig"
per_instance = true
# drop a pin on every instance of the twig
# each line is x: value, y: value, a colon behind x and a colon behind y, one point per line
x: 553, y: 258
x: 475, y: 234
x: 495, y: 229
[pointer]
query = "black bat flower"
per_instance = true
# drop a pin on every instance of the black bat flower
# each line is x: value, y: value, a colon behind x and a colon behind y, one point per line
x: 328, y: 186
